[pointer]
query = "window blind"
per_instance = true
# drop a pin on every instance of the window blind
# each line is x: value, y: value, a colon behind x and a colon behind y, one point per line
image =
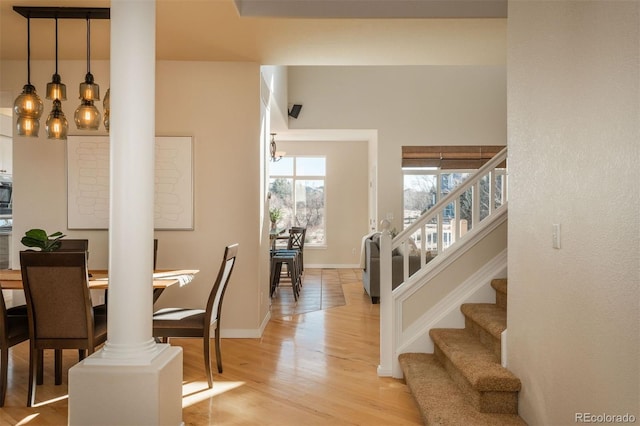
x: 449, y: 157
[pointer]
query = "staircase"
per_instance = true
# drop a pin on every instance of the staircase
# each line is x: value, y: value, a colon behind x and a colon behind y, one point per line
x: 463, y: 382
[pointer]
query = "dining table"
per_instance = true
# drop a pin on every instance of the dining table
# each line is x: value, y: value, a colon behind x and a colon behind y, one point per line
x: 11, y: 279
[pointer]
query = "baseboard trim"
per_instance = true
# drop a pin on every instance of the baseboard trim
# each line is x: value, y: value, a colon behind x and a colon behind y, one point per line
x: 246, y: 333
x: 333, y: 266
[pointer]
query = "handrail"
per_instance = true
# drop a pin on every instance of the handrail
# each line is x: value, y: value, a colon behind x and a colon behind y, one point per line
x: 389, y: 312
x: 452, y: 196
x: 402, y: 239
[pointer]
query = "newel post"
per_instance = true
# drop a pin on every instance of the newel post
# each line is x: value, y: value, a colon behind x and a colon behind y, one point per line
x: 386, y: 303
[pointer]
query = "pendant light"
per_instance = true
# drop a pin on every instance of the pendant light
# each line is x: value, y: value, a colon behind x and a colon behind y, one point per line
x: 87, y: 116
x: 57, y: 125
x: 28, y: 105
x: 273, y: 149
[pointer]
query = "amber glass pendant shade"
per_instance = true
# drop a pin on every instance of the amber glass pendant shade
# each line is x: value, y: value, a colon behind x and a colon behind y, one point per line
x: 28, y: 108
x: 57, y: 125
x: 89, y: 91
x: 87, y: 116
x: 27, y: 126
x: 56, y: 90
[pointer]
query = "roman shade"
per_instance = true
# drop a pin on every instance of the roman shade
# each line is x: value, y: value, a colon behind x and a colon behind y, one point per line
x: 449, y: 157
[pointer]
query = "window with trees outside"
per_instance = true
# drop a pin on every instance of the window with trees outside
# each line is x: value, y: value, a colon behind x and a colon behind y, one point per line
x: 297, y: 188
x: 424, y: 186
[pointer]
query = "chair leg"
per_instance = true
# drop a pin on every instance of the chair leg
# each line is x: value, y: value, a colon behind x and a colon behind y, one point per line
x: 218, y: 353
x: 58, y: 366
x: 276, y: 270
x: 292, y: 267
x: 34, y: 358
x: 4, y: 372
x: 207, y: 360
x: 40, y: 367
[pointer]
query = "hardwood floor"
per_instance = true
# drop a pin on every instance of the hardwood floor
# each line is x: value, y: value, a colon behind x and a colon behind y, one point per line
x: 315, y: 365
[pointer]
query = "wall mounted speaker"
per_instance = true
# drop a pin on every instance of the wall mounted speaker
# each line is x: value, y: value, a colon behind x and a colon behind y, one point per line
x: 295, y: 110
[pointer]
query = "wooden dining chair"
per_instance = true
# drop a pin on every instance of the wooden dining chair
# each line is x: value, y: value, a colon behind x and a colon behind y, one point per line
x: 59, y: 309
x: 71, y: 244
x: 14, y: 329
x: 185, y: 322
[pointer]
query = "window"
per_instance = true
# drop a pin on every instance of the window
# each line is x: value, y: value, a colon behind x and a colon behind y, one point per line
x: 297, y: 187
x: 424, y: 186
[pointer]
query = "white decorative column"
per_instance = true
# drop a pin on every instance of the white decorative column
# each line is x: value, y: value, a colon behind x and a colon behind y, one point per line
x: 132, y: 380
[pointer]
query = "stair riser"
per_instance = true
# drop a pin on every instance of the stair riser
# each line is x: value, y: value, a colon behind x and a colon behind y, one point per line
x: 501, y: 300
x: 500, y: 286
x: 484, y: 402
x: 487, y: 339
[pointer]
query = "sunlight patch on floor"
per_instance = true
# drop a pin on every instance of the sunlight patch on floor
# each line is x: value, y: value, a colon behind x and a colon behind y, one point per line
x: 27, y: 419
x: 51, y: 401
x: 195, y: 392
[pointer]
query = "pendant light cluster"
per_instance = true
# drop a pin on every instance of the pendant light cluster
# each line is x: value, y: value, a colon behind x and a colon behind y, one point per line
x: 28, y: 106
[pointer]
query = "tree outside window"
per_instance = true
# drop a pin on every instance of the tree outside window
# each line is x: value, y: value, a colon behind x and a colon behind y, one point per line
x: 297, y: 187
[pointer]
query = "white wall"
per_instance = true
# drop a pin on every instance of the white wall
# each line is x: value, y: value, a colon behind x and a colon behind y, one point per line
x: 574, y: 117
x: 412, y: 105
x: 346, y: 194
x: 218, y: 105
x: 6, y: 145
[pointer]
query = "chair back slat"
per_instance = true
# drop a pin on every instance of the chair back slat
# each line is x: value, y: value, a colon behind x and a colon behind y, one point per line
x: 214, y: 304
x: 296, y: 238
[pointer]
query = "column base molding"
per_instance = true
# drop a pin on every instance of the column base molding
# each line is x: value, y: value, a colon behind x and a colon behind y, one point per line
x: 110, y: 393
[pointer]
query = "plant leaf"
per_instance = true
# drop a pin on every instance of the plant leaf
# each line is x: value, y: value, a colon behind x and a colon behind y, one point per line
x: 31, y: 242
x: 37, y: 234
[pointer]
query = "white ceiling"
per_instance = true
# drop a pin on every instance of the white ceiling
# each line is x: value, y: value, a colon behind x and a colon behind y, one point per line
x: 265, y: 32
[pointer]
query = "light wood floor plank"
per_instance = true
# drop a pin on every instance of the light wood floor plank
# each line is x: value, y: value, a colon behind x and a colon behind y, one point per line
x: 315, y: 365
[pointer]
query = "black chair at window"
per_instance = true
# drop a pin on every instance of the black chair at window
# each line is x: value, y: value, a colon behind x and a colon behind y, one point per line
x: 295, y: 245
x: 185, y: 322
x: 14, y: 329
x: 59, y: 310
x: 291, y: 259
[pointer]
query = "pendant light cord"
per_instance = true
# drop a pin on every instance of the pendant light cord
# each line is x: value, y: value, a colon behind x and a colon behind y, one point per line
x: 88, y: 45
x: 56, y: 45
x: 28, y: 50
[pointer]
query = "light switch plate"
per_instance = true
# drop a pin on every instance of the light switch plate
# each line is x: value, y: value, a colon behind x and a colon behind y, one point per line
x: 556, y: 235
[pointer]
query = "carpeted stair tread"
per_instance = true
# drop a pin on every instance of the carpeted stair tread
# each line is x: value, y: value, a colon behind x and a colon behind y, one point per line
x: 499, y: 285
x: 489, y: 316
x: 475, y: 362
x: 440, y: 400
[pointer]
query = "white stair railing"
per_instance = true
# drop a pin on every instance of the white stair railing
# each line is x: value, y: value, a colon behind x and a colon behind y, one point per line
x: 435, y: 233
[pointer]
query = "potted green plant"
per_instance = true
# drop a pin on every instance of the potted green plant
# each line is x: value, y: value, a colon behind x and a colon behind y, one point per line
x: 39, y: 238
x: 274, y: 215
